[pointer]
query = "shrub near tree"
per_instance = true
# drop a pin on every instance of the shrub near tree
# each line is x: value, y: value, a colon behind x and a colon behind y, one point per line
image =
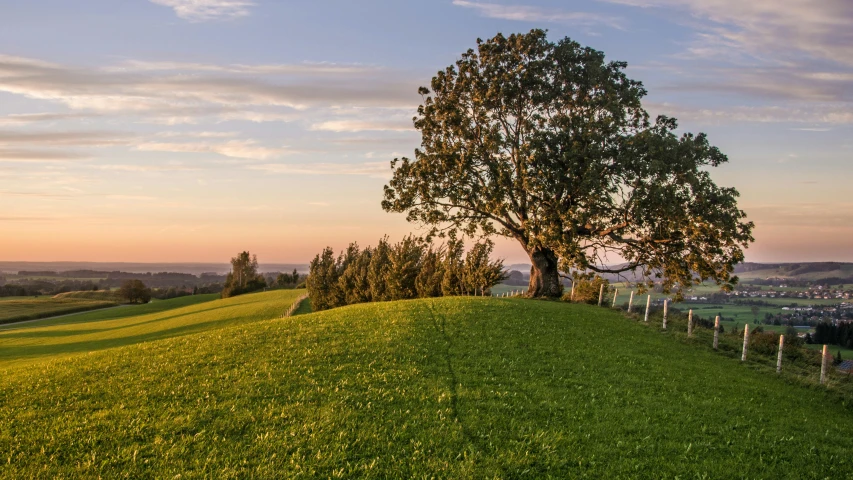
x: 134, y: 291
x: 412, y: 268
x: 587, y: 288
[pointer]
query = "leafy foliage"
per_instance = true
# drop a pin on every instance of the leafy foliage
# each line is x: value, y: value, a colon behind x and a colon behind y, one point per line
x: 548, y: 143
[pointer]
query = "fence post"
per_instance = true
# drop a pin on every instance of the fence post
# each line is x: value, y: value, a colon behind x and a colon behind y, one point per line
x: 615, y: 294
x: 779, y: 358
x: 631, y: 301
x: 600, y: 294
x: 648, y: 304
x: 716, y: 332
x: 823, y: 365
x: 665, y: 305
x: 690, y: 323
x: 572, y: 297
x: 745, y: 342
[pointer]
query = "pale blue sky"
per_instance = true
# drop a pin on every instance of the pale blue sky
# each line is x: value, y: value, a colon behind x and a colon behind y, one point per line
x: 188, y: 130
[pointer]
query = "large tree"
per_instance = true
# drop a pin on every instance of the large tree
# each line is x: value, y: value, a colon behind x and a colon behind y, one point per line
x: 244, y: 276
x: 548, y: 143
x: 134, y: 291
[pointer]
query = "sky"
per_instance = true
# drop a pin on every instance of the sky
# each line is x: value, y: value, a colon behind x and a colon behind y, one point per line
x: 191, y: 130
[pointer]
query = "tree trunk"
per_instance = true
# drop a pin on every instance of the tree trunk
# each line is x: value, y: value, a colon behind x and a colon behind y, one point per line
x: 544, y: 275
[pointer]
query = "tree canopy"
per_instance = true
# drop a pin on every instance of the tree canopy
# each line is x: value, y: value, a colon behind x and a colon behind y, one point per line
x: 549, y: 144
x: 134, y: 291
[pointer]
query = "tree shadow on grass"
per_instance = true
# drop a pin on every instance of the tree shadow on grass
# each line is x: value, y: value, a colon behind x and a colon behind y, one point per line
x: 439, y: 323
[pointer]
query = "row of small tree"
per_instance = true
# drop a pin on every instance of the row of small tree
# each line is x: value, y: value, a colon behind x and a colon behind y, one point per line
x: 412, y: 268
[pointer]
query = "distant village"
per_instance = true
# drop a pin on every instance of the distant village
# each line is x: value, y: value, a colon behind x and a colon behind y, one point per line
x: 808, y: 305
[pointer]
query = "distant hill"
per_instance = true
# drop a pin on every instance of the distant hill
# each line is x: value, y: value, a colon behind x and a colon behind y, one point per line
x: 192, y: 268
x: 830, y: 272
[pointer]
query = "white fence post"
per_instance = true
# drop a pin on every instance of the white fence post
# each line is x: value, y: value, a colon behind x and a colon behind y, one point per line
x: 648, y: 304
x: 716, y: 332
x: 665, y: 306
x: 600, y: 294
x: 779, y: 358
x: 615, y: 294
x: 745, y: 342
x: 631, y: 301
x: 823, y: 365
x: 690, y: 323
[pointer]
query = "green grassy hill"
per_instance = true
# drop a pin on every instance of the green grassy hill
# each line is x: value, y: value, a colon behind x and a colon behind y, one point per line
x: 447, y: 388
x: 18, y: 309
x: 54, y: 338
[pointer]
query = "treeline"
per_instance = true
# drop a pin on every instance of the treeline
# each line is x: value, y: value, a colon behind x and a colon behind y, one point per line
x: 66, y: 274
x: 412, y: 268
x: 840, y: 334
x: 45, y: 287
x: 164, y: 279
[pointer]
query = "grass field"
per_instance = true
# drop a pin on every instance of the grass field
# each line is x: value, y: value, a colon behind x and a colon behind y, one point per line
x: 107, y: 295
x: 846, y: 353
x: 738, y: 313
x: 444, y: 388
x: 11, y: 299
x: 16, y: 309
x: 133, y: 324
x: 802, y: 302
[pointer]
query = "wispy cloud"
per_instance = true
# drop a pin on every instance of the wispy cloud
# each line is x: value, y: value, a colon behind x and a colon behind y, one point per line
x: 307, y: 68
x: 527, y: 13
x: 363, y: 126
x: 781, y: 29
x: 179, y: 96
x: 135, y: 198
x: 205, y: 10
x: 203, y: 134
x: 371, y: 169
x: 39, y: 156
x: 245, y: 149
x: 256, y: 117
x: 809, y: 114
x: 65, y: 139
x: 791, y: 61
x: 145, y: 168
x: 30, y: 118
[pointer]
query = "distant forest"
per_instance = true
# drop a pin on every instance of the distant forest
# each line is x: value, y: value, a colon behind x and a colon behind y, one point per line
x: 165, y: 284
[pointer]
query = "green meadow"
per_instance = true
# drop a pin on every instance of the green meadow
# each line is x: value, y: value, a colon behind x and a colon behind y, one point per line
x: 738, y: 313
x: 133, y: 324
x: 16, y: 309
x: 437, y: 388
